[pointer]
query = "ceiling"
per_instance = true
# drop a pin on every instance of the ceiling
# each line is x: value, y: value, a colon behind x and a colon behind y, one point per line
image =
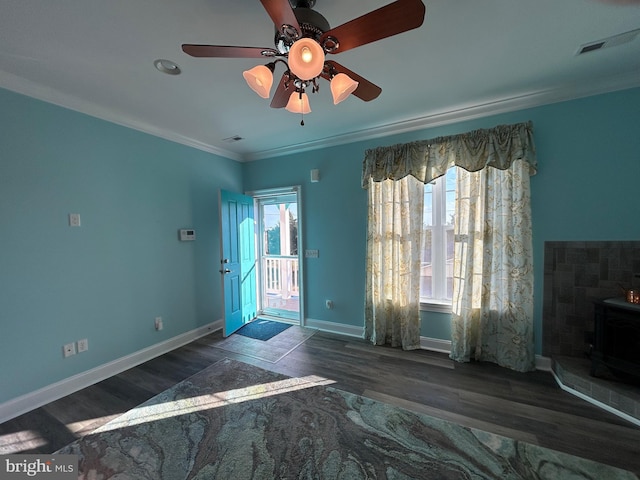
x: 469, y: 58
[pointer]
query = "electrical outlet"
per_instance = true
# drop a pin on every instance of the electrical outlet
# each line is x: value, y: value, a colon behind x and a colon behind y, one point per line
x: 69, y: 349
x: 74, y: 219
x: 83, y: 345
x: 311, y: 253
x: 158, y: 323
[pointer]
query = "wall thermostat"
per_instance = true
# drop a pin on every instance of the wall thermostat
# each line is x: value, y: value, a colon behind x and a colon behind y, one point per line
x: 187, y: 235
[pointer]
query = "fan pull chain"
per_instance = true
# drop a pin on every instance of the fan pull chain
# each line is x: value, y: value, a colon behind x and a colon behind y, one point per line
x: 301, y: 109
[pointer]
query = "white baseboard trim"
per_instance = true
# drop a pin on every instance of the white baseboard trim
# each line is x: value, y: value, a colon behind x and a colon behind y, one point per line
x: 444, y: 346
x: 426, y: 343
x: 30, y: 401
x: 435, y: 344
x: 595, y: 402
x: 332, y: 327
x: 55, y: 391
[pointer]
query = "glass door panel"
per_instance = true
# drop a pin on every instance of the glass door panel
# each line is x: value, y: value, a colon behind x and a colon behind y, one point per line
x: 280, y: 278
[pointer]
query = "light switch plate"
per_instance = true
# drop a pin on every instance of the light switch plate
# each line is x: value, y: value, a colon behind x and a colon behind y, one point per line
x: 311, y: 253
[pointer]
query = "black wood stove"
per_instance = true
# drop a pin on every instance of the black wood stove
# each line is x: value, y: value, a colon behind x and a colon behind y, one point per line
x: 616, y: 338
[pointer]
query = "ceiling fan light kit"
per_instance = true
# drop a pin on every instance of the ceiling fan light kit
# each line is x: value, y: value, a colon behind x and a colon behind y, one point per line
x: 342, y: 85
x: 306, y: 59
x: 298, y: 103
x: 302, y: 41
x: 260, y: 79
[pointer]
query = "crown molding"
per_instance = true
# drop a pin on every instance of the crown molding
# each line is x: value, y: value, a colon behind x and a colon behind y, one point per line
x: 55, y: 97
x: 456, y: 114
x: 461, y: 113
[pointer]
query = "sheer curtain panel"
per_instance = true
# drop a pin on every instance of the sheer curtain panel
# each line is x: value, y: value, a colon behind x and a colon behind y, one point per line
x: 392, y: 293
x: 492, y: 311
x: 493, y: 286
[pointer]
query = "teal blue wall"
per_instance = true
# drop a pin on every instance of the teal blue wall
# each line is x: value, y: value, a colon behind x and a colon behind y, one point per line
x: 587, y: 188
x: 334, y: 222
x: 107, y: 280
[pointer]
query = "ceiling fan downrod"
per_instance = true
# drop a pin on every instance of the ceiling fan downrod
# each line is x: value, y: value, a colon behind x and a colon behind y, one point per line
x: 302, y: 3
x: 311, y: 24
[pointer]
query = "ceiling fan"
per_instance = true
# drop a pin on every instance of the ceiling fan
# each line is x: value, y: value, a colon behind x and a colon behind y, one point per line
x: 303, y: 38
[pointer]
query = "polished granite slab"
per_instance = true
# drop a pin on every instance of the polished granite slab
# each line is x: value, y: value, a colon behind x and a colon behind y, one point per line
x: 236, y: 421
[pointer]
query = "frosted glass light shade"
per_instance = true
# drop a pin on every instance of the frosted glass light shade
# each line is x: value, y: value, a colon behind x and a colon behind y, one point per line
x: 260, y: 79
x: 341, y: 87
x: 306, y: 59
x: 296, y: 104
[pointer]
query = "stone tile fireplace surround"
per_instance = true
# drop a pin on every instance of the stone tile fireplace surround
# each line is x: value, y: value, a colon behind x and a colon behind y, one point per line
x: 574, y: 274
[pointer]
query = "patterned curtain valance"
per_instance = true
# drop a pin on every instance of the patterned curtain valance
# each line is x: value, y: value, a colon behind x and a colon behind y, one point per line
x: 426, y: 160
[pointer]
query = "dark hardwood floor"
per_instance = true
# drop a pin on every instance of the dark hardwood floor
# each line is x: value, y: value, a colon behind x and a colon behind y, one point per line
x: 528, y: 407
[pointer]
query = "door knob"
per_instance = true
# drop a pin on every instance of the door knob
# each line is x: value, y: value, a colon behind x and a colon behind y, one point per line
x: 226, y: 270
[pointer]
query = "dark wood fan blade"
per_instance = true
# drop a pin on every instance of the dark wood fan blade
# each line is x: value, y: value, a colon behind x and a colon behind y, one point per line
x: 281, y: 13
x: 228, y: 51
x: 282, y: 93
x: 397, y: 17
x: 366, y: 90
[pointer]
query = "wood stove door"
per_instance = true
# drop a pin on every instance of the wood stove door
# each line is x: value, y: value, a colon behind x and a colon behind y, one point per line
x: 617, y: 340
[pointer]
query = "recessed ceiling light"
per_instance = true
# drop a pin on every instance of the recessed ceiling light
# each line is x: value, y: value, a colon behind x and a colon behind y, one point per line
x: 167, y: 66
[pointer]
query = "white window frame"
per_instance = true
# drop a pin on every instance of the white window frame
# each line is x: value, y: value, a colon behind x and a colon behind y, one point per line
x: 439, y: 228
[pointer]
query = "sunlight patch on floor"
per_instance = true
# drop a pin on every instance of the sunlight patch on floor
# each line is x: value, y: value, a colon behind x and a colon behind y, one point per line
x: 152, y: 413
x: 85, y: 427
x: 17, y: 442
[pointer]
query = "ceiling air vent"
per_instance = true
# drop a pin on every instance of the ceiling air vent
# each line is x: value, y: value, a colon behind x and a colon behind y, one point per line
x: 609, y: 42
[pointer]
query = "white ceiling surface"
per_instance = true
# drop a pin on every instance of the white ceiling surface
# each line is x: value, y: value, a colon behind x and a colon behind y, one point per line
x: 469, y: 58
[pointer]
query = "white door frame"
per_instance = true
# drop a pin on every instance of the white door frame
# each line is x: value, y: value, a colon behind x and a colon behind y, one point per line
x: 275, y: 192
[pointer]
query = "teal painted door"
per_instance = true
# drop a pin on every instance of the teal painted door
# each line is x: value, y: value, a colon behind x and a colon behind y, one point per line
x: 238, y: 260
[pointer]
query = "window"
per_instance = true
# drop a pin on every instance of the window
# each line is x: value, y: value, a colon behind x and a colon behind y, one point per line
x: 436, y: 269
